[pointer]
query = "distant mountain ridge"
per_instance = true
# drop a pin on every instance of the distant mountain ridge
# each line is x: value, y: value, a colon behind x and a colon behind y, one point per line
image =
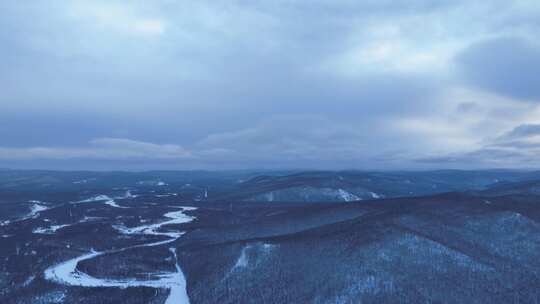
x: 359, y: 185
x: 271, y: 186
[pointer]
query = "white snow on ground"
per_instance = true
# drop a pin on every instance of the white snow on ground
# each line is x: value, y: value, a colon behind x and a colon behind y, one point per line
x: 67, y: 273
x: 268, y: 247
x: 90, y: 218
x: 178, y: 292
x: 28, y: 281
x: 50, y: 230
x: 55, y: 297
x: 375, y: 195
x: 84, y: 181
x: 152, y: 183
x: 128, y: 194
x: 176, y: 217
x: 107, y: 200
x: 307, y: 193
x: 96, y: 198
x: 252, y: 251
x: 347, y: 196
x: 112, y: 203
x: 36, y: 208
x: 242, y: 260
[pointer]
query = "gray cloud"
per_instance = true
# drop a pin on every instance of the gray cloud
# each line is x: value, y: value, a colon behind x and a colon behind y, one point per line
x: 519, y: 147
x: 218, y: 84
x: 522, y: 132
x: 317, y: 139
x: 509, y: 66
x: 524, y: 137
x: 100, y: 148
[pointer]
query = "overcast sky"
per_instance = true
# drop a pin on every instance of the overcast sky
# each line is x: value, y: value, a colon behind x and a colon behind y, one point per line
x: 329, y: 84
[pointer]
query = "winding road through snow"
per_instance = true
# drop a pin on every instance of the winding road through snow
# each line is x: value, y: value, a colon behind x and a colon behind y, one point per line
x: 66, y: 273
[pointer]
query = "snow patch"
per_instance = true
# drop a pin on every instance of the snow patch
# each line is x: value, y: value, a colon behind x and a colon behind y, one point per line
x: 127, y: 195
x: 28, y: 281
x: 50, y: 230
x: 83, y: 181
x: 36, y: 208
x: 107, y: 200
x: 176, y: 217
x: 242, y: 261
x: 166, y: 195
x: 152, y: 183
x: 375, y: 195
x: 96, y: 198
x: 257, y: 249
x: 347, y: 196
x: 90, y: 219
x: 268, y: 247
x: 35, y: 211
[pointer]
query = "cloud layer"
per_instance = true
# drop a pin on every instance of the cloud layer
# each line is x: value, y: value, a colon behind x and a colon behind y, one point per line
x: 236, y: 84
